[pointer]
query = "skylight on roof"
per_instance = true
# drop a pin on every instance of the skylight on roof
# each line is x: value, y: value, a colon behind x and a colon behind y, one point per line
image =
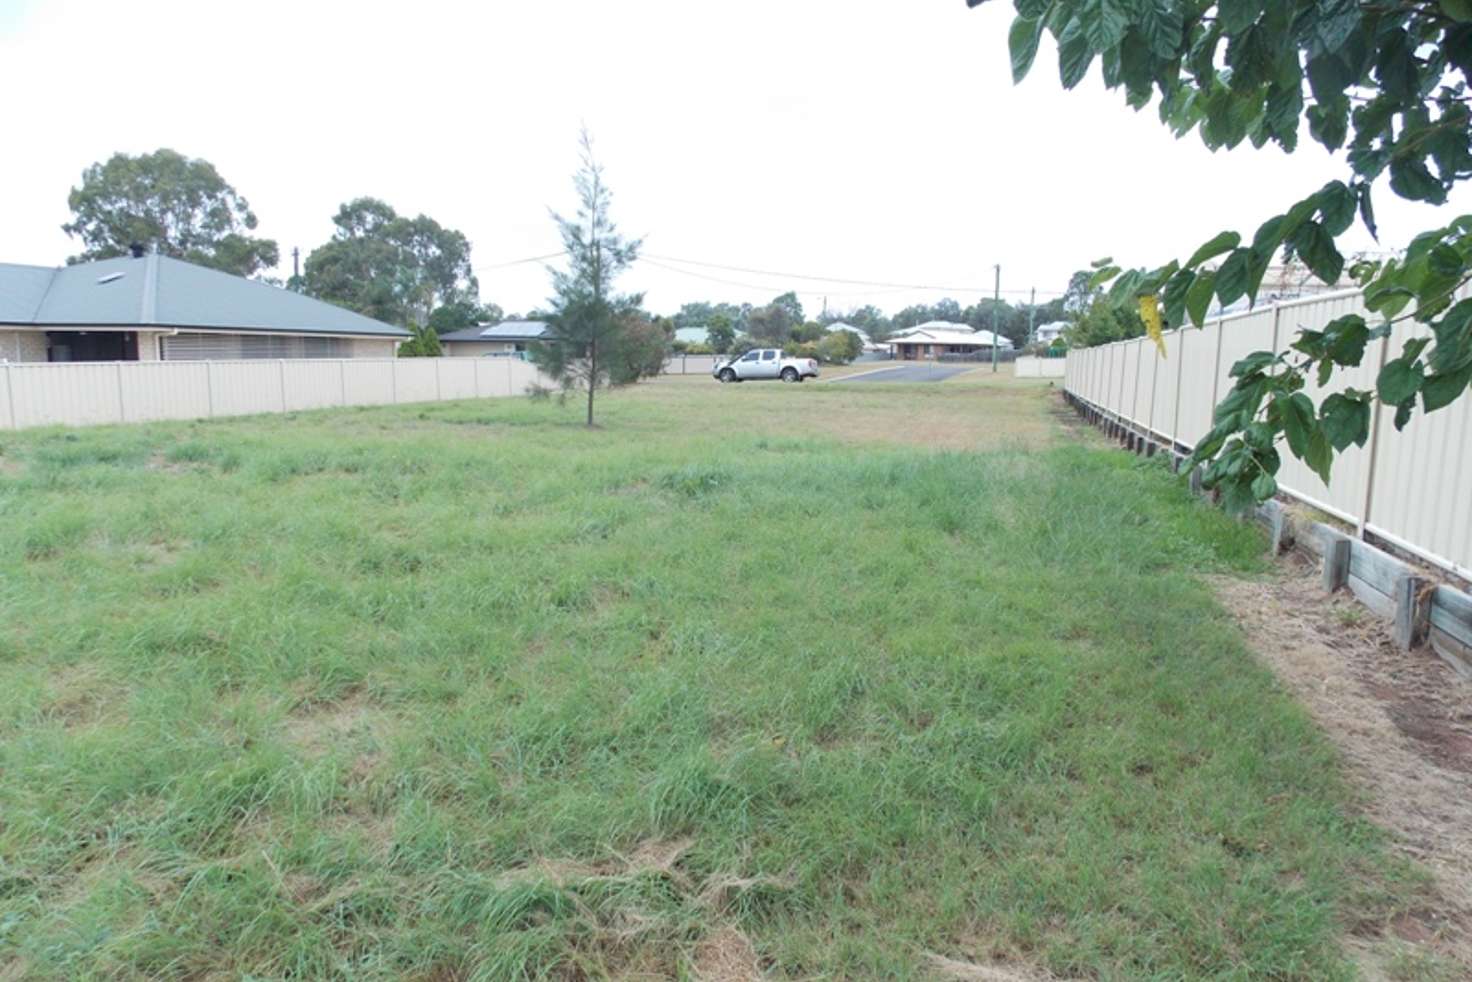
x: 110, y: 278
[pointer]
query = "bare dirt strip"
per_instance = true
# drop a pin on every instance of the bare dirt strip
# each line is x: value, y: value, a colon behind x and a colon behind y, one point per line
x: 1403, y: 722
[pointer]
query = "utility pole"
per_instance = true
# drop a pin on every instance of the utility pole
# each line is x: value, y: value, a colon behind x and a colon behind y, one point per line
x: 997, y: 318
x: 1032, y: 312
x: 296, y: 264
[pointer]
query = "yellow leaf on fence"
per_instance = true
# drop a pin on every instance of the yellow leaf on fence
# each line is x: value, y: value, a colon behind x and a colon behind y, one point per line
x: 1150, y: 314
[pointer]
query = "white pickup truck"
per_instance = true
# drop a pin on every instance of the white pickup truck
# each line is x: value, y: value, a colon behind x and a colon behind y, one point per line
x: 765, y: 363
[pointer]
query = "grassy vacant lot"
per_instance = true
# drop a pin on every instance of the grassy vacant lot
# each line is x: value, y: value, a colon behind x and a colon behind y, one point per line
x: 744, y: 679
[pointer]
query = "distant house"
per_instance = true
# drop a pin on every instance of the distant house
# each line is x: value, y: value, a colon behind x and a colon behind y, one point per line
x: 940, y: 340
x: 509, y: 339
x: 693, y: 335
x: 155, y: 308
x: 869, y: 345
x: 1048, y: 333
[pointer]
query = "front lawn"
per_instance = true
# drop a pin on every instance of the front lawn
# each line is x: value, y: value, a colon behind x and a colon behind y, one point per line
x: 753, y: 676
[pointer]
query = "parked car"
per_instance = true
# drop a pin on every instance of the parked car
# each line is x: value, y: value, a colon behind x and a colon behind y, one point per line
x: 764, y: 363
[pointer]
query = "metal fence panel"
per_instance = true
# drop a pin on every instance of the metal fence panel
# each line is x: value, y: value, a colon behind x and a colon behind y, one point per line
x: 456, y: 378
x: 306, y: 385
x: 165, y: 390
x: 368, y: 382
x: 1198, y: 381
x: 75, y: 394
x: 1412, y: 488
x: 416, y: 380
x: 1167, y: 371
x: 1422, y: 483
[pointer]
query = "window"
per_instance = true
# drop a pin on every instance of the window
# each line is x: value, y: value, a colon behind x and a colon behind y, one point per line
x: 752, y: 356
x: 231, y: 347
x: 768, y: 355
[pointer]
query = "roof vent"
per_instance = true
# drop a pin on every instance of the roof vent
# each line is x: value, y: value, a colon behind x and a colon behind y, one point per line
x: 137, y: 249
x: 110, y: 278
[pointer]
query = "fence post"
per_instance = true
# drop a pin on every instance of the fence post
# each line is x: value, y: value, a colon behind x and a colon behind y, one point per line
x: 122, y: 413
x: 393, y: 380
x: 1154, y: 391
x: 1374, y: 450
x: 1336, y: 561
x: 10, y: 391
x: 437, y: 396
x: 1175, y: 421
x: 1412, y: 612
x: 281, y: 376
x: 209, y: 387
x: 342, y: 381
x: 1216, y: 367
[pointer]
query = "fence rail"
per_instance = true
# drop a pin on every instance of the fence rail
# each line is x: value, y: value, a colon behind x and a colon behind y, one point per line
x: 1412, y: 489
x: 93, y: 393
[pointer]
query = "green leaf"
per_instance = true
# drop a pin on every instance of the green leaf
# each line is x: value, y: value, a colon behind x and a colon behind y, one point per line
x: 1337, y: 207
x: 1198, y: 297
x: 1335, y: 22
x: 1264, y: 486
x: 1412, y: 179
x: 1232, y: 278
x: 1225, y: 242
x: 1320, y: 456
x: 1105, y: 22
x: 1254, y: 362
x: 1345, y: 339
x: 1345, y: 421
x: 1023, y: 40
x: 1460, y: 10
x: 1163, y: 26
x: 1075, y: 55
x: 1103, y: 276
x: 1315, y: 246
x: 1238, y: 15
x: 1440, y: 391
x: 1270, y: 235
x: 1176, y: 292
x: 1399, y: 381
x: 1296, y: 413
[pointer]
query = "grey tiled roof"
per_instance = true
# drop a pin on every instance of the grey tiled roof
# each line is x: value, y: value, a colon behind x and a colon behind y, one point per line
x: 158, y: 291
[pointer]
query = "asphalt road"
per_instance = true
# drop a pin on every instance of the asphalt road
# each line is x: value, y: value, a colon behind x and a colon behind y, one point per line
x: 912, y: 373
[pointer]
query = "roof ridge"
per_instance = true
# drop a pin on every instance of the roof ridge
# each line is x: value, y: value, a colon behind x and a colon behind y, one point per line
x: 50, y: 279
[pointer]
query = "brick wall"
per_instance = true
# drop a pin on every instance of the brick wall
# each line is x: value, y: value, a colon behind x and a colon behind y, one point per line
x: 22, y: 346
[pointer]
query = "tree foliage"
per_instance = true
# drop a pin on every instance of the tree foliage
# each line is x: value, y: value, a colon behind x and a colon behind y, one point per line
x: 389, y: 266
x: 164, y: 200
x: 840, y: 347
x: 424, y: 344
x: 1386, y: 84
x: 772, y: 325
x: 720, y: 333
x: 597, y: 338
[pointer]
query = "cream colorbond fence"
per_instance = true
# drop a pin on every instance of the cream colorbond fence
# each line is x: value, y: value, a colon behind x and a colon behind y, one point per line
x: 1412, y: 488
x: 83, y: 394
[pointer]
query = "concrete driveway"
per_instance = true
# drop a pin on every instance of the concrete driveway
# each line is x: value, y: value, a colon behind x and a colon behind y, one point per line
x: 919, y: 372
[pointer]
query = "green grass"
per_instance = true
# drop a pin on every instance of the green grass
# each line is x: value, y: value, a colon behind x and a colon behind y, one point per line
x: 469, y: 691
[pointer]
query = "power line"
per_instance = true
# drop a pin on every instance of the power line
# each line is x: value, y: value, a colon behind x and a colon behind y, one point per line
x: 764, y: 288
x: 520, y: 262
x: 882, y: 287
x: 835, y: 279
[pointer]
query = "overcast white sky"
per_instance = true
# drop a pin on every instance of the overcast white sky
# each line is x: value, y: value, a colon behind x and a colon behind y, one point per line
x: 862, y: 139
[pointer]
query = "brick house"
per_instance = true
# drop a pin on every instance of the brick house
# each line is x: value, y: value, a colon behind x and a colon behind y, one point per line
x: 155, y: 308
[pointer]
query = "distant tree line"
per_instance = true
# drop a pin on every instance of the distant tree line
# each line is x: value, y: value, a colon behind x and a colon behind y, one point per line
x: 416, y: 273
